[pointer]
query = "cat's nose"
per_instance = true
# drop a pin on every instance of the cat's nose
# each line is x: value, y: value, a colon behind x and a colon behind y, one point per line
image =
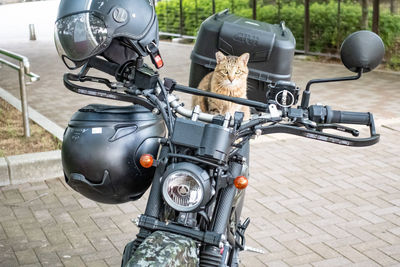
x: 231, y: 78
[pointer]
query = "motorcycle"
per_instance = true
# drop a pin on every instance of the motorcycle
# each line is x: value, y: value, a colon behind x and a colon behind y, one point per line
x: 199, y: 166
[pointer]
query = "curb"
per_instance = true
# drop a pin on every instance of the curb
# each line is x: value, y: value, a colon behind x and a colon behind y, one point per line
x: 30, y: 168
x: 33, y: 167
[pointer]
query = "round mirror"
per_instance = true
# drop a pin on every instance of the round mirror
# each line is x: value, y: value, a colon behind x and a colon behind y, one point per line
x: 362, y: 50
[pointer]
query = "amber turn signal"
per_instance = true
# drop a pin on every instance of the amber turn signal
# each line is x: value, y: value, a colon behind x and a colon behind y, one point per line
x: 241, y: 182
x: 146, y: 160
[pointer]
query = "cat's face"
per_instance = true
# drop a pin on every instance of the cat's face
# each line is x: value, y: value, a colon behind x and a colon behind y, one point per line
x: 231, y: 70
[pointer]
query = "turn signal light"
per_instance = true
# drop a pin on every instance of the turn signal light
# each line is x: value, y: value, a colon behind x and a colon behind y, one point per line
x: 241, y: 182
x: 146, y: 160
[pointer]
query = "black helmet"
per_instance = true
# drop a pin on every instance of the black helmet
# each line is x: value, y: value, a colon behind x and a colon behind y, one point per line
x: 86, y: 28
x: 101, y: 151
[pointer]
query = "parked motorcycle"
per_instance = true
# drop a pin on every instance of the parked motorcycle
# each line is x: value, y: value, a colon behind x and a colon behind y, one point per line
x: 196, y: 163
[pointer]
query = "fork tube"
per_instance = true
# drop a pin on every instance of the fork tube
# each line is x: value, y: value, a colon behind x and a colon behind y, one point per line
x: 154, y: 202
x: 225, y: 202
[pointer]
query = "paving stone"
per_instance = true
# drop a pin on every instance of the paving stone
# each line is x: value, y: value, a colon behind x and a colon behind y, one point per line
x: 297, y: 247
x: 273, y: 256
x: 8, y: 257
x: 351, y: 254
x: 340, y: 261
x: 113, y: 261
x: 26, y: 257
x: 105, y: 254
x: 56, y: 237
x: 49, y: 259
x: 101, y: 243
x: 74, y: 261
x: 323, y: 250
x: 100, y: 263
x: 248, y: 259
x: 35, y: 235
x: 380, y: 257
x: 13, y: 230
x: 303, y: 259
x: 391, y: 250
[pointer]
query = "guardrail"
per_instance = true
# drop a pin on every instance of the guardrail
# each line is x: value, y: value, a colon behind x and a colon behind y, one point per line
x: 23, y: 69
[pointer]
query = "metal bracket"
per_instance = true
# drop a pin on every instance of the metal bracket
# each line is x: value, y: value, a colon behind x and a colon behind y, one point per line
x: 150, y: 223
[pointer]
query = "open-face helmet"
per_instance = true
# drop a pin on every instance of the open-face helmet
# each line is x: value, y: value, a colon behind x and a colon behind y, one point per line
x: 87, y: 28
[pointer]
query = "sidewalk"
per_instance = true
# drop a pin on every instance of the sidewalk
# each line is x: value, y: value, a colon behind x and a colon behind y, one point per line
x: 311, y: 203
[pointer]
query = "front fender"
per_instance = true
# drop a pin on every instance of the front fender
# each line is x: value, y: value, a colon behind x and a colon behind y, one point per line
x: 165, y: 249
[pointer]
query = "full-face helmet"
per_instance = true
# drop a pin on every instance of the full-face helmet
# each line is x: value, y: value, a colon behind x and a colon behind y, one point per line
x: 87, y: 28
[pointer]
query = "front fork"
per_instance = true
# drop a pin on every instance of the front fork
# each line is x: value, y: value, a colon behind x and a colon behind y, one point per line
x: 228, y: 210
x: 210, y: 254
x: 153, y: 207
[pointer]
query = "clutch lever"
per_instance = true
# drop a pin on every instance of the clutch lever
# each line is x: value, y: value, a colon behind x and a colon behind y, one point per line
x: 108, y: 83
x: 68, y: 82
x: 338, y: 127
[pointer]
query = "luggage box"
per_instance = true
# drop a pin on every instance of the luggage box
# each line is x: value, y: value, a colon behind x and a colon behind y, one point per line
x: 271, y: 49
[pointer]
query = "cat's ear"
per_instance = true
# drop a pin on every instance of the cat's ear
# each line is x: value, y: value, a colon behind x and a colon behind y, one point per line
x: 245, y: 58
x: 220, y: 57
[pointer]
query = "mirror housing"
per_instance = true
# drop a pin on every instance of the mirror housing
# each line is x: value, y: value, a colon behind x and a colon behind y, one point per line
x: 362, y: 51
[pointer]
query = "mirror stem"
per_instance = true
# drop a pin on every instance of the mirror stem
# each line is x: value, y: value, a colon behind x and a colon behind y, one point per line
x: 305, y: 99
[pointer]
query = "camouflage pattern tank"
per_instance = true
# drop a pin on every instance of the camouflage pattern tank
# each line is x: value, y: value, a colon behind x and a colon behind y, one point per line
x: 165, y: 249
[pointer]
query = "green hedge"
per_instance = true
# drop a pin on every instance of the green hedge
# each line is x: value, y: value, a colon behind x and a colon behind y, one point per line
x: 325, y: 36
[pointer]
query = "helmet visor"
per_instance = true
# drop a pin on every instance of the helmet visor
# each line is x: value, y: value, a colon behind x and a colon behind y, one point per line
x: 79, y: 36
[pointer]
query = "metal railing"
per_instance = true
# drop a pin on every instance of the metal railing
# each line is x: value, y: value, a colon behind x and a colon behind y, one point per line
x: 23, y: 69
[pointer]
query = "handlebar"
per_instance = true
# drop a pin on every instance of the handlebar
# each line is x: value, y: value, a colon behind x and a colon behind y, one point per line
x: 103, y: 65
x: 315, y: 119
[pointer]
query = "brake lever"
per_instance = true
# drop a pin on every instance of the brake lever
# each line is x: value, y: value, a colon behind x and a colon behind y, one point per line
x: 338, y: 127
x: 321, y: 136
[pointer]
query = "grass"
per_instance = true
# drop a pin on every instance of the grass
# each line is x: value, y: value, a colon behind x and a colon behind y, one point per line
x: 12, y: 139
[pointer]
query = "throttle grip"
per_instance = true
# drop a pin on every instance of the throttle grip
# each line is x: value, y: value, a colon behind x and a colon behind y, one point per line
x: 350, y: 117
x: 324, y: 114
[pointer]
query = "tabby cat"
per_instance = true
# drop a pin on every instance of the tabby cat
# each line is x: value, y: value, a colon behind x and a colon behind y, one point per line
x: 229, y: 78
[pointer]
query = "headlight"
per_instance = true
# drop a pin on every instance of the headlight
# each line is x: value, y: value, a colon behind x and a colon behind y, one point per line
x: 186, y: 187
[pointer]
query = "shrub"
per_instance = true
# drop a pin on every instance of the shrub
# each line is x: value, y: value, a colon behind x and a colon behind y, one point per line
x: 326, y: 35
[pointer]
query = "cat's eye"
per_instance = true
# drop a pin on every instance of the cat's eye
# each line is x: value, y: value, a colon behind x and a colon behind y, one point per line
x: 238, y: 72
x: 225, y: 71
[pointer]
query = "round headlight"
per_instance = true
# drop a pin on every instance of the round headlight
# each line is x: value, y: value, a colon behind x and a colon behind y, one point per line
x: 186, y: 187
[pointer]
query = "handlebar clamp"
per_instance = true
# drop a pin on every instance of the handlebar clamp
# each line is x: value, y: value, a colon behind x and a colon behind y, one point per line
x: 169, y: 84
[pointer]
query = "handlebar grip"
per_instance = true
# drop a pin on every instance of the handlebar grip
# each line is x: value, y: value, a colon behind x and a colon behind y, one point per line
x: 324, y: 114
x: 349, y: 117
x: 103, y: 65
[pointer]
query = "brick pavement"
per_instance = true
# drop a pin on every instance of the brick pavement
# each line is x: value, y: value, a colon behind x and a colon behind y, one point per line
x: 311, y: 203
